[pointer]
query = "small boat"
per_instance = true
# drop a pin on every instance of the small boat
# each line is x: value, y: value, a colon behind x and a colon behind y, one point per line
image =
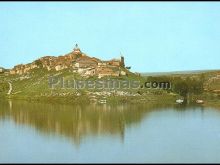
x: 179, y: 101
x: 199, y: 101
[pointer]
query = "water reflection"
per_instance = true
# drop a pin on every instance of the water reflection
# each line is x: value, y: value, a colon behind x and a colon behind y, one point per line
x: 75, y: 122
x: 120, y: 133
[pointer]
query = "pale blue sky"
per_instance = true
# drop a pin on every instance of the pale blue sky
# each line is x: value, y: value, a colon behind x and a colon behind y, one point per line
x: 152, y: 36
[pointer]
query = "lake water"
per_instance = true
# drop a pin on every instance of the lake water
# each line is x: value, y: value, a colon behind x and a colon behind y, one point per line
x: 42, y: 133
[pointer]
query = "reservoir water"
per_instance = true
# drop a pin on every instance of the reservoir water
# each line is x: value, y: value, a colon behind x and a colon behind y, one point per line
x: 54, y: 133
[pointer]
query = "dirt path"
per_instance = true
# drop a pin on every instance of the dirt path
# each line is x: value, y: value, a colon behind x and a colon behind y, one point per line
x: 10, y: 88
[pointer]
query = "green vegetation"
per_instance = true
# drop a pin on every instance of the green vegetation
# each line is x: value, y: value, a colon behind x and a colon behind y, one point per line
x: 34, y: 86
x: 193, y: 86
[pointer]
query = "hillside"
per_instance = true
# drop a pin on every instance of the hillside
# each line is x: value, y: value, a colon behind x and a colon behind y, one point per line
x: 34, y: 86
x: 31, y: 81
x: 53, y: 79
x: 75, y: 61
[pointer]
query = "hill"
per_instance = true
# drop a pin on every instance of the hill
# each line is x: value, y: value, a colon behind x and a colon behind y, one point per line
x: 53, y: 79
x: 75, y: 61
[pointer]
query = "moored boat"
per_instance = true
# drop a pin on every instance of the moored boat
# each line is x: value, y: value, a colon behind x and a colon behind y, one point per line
x: 179, y: 101
x: 199, y: 101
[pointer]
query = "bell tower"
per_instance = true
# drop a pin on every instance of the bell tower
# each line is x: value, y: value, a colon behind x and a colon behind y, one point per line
x: 122, y: 61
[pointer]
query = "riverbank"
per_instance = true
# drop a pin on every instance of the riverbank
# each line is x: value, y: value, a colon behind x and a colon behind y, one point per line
x: 34, y: 87
x: 103, y: 97
x: 93, y: 98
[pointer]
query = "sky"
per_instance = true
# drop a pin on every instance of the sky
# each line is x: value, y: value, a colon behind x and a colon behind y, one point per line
x: 152, y: 36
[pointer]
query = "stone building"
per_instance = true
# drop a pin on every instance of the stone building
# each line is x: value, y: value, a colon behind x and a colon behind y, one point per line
x: 107, y: 71
x: 75, y: 61
x: 2, y: 70
x: 85, y: 62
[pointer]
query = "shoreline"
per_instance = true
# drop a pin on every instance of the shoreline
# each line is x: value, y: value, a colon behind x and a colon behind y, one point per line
x: 163, y: 99
x: 88, y: 99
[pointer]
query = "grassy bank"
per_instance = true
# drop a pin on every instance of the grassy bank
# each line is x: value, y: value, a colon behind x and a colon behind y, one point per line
x: 34, y: 87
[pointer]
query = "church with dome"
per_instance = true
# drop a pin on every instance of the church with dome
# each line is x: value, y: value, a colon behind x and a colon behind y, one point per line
x: 77, y: 50
x: 78, y: 62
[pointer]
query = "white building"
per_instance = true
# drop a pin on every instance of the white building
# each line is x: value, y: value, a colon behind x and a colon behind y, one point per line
x: 2, y: 70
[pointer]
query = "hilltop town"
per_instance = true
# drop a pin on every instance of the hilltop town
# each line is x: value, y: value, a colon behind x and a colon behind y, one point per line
x: 30, y: 81
x: 77, y: 62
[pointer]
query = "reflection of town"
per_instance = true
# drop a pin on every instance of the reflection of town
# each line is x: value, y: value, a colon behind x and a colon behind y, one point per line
x: 75, y: 121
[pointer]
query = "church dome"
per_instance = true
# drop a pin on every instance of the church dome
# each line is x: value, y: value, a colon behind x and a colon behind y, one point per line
x: 76, y: 49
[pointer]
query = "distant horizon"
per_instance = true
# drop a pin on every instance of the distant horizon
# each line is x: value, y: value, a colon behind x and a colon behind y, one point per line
x: 153, y: 37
